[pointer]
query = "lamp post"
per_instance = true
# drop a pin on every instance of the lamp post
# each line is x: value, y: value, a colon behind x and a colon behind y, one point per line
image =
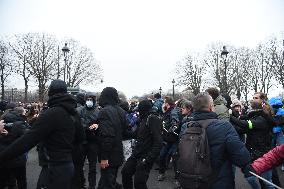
x: 173, y: 82
x: 65, y: 51
x: 224, y: 55
x: 160, y: 89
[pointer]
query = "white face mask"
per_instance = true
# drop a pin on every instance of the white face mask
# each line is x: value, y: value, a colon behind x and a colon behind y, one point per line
x: 89, y: 103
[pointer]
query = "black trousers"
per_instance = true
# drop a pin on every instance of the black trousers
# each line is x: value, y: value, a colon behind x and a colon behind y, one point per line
x: 19, y: 173
x: 57, y: 176
x: 139, y: 170
x: 90, y: 151
x: 108, y: 178
x: 78, y: 180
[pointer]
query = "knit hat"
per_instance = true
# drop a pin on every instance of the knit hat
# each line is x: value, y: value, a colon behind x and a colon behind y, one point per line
x: 57, y: 86
x: 235, y: 103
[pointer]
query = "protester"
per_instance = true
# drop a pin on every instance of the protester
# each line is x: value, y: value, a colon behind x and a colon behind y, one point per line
x: 57, y: 128
x: 220, y: 104
x: 146, y: 150
x: 225, y: 148
x: 171, y: 128
x: 14, y: 168
x: 257, y: 125
x: 112, y: 125
x: 89, y: 116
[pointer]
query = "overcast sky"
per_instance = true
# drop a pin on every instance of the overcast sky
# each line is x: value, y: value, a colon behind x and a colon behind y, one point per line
x: 139, y: 42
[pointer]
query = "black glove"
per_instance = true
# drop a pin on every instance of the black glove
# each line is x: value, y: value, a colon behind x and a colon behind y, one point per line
x: 247, y: 169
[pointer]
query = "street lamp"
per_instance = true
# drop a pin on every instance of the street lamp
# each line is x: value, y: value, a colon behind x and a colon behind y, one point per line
x: 224, y: 55
x: 160, y: 89
x: 65, y: 51
x: 173, y: 82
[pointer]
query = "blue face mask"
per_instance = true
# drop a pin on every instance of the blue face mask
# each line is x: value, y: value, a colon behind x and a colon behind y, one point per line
x: 89, y: 103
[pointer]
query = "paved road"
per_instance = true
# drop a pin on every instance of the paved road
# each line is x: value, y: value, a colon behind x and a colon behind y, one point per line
x: 33, y: 171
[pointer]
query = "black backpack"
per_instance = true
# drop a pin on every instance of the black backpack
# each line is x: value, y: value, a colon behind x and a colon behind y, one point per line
x: 194, y: 166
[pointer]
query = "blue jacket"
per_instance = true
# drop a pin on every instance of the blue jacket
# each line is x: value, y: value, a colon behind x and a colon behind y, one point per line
x: 225, y: 149
x: 157, y: 106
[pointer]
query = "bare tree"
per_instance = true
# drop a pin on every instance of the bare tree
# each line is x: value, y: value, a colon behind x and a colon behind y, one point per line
x: 264, y: 66
x: 278, y: 59
x: 43, y: 62
x: 222, y: 69
x: 5, y: 66
x: 189, y: 73
x: 81, y: 65
x: 22, y: 47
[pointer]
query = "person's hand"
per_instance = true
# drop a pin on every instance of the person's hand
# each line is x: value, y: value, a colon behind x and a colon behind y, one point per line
x: 104, y: 164
x: 94, y: 126
x: 4, y: 132
x: 247, y: 169
x: 2, y: 124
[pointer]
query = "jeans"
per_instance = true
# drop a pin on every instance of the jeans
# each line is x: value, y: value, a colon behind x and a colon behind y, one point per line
x: 278, y: 139
x: 253, y: 181
x: 167, y: 151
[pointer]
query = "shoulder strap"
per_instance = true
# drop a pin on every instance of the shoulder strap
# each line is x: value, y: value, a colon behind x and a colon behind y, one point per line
x: 206, y: 122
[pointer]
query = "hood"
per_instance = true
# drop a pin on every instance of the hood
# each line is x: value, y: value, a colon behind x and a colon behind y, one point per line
x: 220, y: 101
x: 66, y: 101
x: 203, y: 115
x: 109, y: 96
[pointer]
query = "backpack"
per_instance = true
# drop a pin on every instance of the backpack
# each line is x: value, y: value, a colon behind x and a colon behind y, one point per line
x: 193, y: 165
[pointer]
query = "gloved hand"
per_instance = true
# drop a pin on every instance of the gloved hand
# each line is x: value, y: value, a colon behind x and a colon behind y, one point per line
x: 247, y: 169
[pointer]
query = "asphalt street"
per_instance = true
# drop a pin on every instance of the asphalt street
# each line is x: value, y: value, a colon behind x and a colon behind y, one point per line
x: 33, y: 171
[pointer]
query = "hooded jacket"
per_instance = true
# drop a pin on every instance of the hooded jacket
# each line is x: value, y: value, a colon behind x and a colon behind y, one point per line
x: 14, y: 132
x: 58, y: 128
x: 220, y: 108
x: 112, y: 127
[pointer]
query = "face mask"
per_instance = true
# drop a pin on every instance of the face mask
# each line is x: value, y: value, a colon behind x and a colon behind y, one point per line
x: 89, y: 104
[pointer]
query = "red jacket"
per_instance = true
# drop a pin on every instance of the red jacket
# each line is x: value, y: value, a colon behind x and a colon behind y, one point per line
x: 269, y: 160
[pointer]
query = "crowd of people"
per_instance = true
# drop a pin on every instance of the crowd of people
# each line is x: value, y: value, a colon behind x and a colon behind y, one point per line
x: 204, y: 139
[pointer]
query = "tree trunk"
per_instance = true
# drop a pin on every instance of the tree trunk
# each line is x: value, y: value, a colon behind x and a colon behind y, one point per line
x: 26, y: 90
x: 239, y: 94
x: 2, y: 82
x: 41, y: 91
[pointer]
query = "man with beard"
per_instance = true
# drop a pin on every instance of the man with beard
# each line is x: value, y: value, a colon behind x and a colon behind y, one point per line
x: 257, y: 125
x: 112, y: 126
x: 58, y: 128
x: 146, y: 150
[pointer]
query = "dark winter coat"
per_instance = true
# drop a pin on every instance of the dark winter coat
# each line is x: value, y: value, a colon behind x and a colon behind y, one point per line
x: 171, y: 124
x: 14, y: 132
x: 112, y: 125
x: 259, y: 137
x: 149, y: 138
x: 225, y: 149
x: 88, y: 117
x: 55, y: 128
